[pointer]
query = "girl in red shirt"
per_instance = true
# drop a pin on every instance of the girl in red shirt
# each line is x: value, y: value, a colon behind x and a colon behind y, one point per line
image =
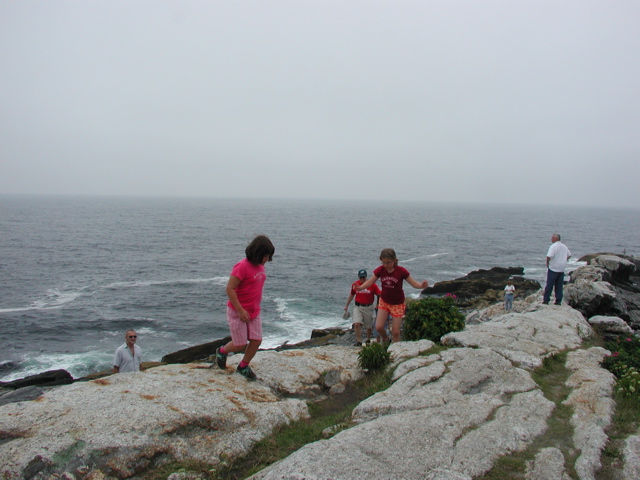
x: 392, y: 298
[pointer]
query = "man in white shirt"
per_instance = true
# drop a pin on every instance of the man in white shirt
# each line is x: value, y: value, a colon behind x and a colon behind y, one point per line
x: 557, y: 257
x: 128, y: 356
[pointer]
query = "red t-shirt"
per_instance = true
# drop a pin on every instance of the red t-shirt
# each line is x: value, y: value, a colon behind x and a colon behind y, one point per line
x: 249, y: 291
x: 392, y: 291
x: 366, y: 296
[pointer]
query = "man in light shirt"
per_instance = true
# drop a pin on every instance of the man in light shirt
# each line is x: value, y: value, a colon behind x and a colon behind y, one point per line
x: 128, y: 356
x: 557, y: 257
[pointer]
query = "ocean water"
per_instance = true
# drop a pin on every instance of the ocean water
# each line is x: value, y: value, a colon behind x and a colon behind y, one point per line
x: 76, y: 272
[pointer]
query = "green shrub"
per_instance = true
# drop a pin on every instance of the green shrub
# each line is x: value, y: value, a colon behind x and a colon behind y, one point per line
x: 374, y: 357
x: 431, y: 318
x: 624, y: 363
x: 625, y: 352
x: 628, y: 385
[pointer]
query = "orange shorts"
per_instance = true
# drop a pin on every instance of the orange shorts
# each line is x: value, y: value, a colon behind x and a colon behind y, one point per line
x: 395, y: 310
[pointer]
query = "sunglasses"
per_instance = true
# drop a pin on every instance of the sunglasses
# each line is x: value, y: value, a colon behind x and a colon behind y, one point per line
x: 133, y: 336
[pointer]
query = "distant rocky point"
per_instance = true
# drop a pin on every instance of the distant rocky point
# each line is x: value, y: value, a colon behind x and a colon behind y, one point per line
x: 481, y: 288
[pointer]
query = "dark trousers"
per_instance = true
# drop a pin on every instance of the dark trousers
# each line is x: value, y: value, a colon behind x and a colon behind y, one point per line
x: 554, y: 280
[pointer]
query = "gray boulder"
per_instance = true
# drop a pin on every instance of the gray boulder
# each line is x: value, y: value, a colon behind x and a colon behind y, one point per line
x: 603, y: 298
x: 628, y: 307
x: 452, y: 419
x: 610, y: 326
x: 620, y: 268
x: 44, y: 379
x: 118, y: 427
x: 195, y: 353
x: 402, y: 351
x: 21, y: 395
x: 526, y: 338
x: 605, y: 287
x: 591, y: 298
x: 589, y: 273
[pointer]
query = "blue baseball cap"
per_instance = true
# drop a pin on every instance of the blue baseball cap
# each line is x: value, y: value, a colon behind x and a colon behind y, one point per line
x: 362, y: 273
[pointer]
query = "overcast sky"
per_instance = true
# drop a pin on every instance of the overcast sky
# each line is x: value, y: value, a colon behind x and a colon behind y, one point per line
x: 437, y: 100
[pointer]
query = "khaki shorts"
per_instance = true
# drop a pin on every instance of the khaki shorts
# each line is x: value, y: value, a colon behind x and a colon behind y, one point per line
x: 363, y: 315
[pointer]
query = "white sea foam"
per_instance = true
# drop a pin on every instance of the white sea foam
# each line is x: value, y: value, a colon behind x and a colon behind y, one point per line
x: 300, y: 330
x: 295, y: 322
x: 77, y: 364
x: 285, y: 311
x: 535, y: 273
x: 433, y: 255
x: 16, y: 310
x: 53, y: 299
x: 56, y: 299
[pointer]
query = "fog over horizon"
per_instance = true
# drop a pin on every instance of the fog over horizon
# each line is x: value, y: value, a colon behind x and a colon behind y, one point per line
x: 532, y: 102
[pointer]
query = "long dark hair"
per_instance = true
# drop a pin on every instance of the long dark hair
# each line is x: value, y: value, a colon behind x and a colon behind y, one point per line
x: 259, y: 247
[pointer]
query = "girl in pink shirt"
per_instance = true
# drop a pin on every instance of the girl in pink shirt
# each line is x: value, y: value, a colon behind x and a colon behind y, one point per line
x: 244, y: 290
x: 392, y: 298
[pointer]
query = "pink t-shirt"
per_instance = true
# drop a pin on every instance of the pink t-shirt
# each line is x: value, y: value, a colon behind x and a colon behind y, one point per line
x: 249, y: 291
x: 392, y: 291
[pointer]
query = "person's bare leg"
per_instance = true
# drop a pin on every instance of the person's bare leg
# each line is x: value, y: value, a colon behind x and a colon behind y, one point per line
x: 381, y: 323
x: 396, y: 324
x: 251, y: 350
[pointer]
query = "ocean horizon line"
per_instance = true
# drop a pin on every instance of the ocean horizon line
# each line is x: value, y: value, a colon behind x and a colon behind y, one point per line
x: 319, y: 200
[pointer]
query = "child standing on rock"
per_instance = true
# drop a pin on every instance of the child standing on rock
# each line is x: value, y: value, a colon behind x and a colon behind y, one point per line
x: 244, y: 290
x: 392, y: 298
x: 508, y: 295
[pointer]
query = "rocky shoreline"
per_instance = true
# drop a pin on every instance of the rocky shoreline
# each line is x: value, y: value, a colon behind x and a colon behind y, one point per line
x: 447, y: 415
x: 476, y: 290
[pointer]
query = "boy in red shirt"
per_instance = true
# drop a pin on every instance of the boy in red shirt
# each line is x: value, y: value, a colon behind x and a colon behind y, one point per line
x: 363, y: 312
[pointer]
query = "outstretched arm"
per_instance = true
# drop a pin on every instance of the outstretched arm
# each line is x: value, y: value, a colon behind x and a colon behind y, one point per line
x: 416, y: 284
x: 373, y: 279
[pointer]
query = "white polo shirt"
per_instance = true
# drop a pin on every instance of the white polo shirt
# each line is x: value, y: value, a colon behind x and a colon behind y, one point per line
x: 558, y: 254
